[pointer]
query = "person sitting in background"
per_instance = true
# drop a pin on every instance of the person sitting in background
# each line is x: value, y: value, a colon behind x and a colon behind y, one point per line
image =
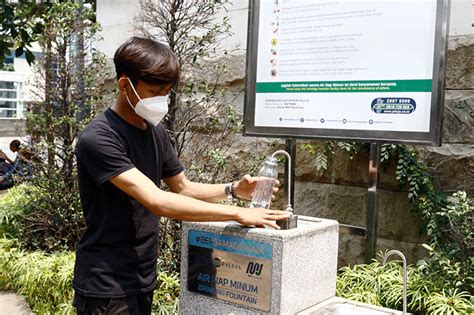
x: 24, y: 154
x: 23, y: 164
x: 6, y: 164
x: 6, y: 171
x: 4, y: 157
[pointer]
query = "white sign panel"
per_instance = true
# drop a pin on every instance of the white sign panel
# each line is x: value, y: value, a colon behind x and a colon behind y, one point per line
x: 370, y: 66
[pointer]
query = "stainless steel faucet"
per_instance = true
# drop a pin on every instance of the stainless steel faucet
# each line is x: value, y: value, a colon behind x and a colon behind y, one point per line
x: 399, y: 253
x: 288, y: 156
x: 292, y: 221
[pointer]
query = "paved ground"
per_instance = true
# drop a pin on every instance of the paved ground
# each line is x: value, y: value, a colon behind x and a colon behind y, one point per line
x: 12, y: 304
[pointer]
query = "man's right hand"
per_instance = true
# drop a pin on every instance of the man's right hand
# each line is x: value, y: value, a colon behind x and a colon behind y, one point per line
x: 261, y: 217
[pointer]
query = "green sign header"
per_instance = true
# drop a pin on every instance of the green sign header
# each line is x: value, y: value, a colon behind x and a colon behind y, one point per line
x: 345, y: 86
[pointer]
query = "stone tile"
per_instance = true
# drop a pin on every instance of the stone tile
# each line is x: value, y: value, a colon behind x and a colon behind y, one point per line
x: 12, y: 127
x: 395, y: 219
x: 452, y: 166
x: 344, y: 204
x: 458, y: 117
x: 306, y: 167
x: 460, y: 63
x: 352, y: 249
x: 348, y: 205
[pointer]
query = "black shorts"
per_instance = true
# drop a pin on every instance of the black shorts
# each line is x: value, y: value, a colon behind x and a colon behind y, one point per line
x: 139, y: 304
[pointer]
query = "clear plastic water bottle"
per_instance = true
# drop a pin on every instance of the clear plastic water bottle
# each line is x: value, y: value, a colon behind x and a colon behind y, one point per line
x: 262, y: 195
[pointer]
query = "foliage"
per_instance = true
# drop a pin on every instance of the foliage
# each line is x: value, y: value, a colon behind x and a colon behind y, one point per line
x: 165, y: 297
x: 199, y: 111
x: 22, y: 24
x: 321, y: 151
x: 20, y: 27
x: 451, y: 261
x: 46, y: 280
x: 169, y: 255
x: 447, y: 222
x: 53, y: 221
x: 374, y: 284
x: 67, y: 96
x: 7, y: 67
x: 13, y: 204
x: 443, y: 282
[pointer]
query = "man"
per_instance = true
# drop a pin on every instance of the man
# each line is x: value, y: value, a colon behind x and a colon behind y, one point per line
x: 122, y: 156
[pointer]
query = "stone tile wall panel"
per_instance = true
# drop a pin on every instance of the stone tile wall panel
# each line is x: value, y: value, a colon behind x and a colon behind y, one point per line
x: 460, y: 63
x: 458, y: 117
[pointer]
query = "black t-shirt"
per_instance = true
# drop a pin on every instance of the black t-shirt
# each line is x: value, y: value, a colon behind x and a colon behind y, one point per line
x: 117, y: 254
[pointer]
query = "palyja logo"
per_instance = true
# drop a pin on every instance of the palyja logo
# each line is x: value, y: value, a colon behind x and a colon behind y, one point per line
x: 254, y: 268
x: 216, y: 262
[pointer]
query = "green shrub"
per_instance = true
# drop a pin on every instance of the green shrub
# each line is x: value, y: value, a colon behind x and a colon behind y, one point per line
x: 451, y: 261
x: 53, y: 220
x: 45, y: 279
x: 440, y: 284
x: 13, y: 204
x: 66, y: 100
x: 39, y: 216
x: 383, y: 286
x: 165, y: 297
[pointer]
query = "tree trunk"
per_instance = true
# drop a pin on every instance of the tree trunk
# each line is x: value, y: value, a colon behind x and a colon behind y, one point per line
x: 48, y: 106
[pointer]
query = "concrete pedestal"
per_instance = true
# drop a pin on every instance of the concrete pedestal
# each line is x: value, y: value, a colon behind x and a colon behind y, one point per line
x: 230, y: 269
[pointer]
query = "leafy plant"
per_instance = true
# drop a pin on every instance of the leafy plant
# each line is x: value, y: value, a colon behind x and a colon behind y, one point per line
x: 383, y: 286
x: 52, y: 220
x: 199, y: 110
x: 442, y: 283
x: 165, y: 297
x: 66, y: 98
x: 446, y: 303
x: 20, y: 27
x: 451, y: 261
x: 46, y: 280
x: 13, y: 204
x: 322, y: 151
x: 22, y: 24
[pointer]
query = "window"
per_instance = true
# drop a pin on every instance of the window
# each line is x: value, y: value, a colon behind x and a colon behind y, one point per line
x: 11, y: 103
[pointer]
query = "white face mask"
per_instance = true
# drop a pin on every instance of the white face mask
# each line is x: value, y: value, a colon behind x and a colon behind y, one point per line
x: 153, y: 109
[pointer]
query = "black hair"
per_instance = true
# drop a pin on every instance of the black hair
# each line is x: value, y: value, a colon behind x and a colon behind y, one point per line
x: 146, y: 60
x: 15, y: 144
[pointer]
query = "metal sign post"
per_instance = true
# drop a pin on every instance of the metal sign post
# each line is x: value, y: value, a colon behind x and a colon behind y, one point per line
x: 372, y: 213
x: 290, y: 147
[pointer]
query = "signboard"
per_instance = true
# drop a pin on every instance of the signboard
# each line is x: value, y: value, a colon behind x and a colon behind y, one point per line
x: 230, y: 268
x: 368, y: 70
